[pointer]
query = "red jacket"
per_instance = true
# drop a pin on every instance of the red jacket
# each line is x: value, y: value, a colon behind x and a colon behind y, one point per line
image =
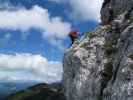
x: 73, y: 34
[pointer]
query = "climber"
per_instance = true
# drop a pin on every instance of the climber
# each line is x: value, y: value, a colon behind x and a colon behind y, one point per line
x: 73, y: 35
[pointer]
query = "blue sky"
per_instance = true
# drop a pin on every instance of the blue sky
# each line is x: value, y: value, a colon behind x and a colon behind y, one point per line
x: 34, y: 35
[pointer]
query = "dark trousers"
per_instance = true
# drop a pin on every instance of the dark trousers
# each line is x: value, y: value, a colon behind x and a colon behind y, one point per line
x: 72, y: 39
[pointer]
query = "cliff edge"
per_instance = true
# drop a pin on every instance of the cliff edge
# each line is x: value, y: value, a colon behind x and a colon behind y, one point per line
x: 100, y: 67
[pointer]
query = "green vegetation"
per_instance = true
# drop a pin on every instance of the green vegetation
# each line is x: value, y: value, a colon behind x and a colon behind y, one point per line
x: 77, y: 41
x: 107, y: 72
x: 90, y: 35
x: 109, y: 48
x: 131, y: 56
x: 131, y: 19
x: 108, y: 29
x: 108, y: 67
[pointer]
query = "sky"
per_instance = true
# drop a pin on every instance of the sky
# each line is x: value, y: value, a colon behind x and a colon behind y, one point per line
x: 34, y: 36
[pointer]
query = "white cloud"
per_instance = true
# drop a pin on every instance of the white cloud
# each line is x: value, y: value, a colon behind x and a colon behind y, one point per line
x: 37, y: 65
x: 57, y: 1
x: 87, y: 9
x: 83, y: 10
x: 36, y: 17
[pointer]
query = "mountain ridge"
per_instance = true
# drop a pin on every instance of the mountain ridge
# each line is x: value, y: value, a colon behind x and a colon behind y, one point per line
x: 40, y: 91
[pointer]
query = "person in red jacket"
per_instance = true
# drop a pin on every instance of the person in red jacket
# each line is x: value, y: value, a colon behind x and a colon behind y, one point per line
x: 73, y: 35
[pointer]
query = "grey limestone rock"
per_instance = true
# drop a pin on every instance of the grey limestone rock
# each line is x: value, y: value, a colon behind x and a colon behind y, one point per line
x: 100, y: 67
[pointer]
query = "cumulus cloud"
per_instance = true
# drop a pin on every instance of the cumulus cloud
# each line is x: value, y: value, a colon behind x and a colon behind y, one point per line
x: 37, y: 65
x: 87, y: 9
x: 36, y: 17
x: 83, y: 10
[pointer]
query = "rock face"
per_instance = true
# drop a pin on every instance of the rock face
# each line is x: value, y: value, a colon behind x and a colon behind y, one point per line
x: 100, y: 67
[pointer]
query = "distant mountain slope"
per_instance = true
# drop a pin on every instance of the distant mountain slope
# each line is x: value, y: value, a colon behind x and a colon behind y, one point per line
x: 7, y: 88
x: 40, y: 92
